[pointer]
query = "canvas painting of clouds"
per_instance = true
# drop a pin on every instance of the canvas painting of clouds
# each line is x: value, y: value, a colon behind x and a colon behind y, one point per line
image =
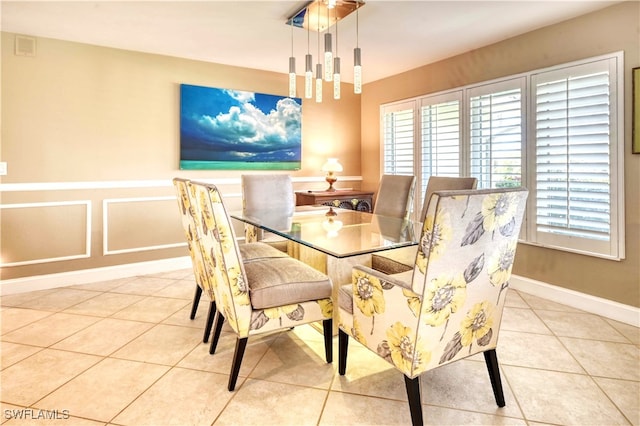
x: 223, y: 129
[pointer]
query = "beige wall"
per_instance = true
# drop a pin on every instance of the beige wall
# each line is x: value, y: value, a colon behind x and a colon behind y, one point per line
x: 612, y: 29
x: 77, y: 113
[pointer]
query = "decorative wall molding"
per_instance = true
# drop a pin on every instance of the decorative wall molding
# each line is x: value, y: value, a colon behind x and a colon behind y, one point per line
x: 158, y: 183
x: 105, y: 226
x: 586, y: 302
x: 87, y: 231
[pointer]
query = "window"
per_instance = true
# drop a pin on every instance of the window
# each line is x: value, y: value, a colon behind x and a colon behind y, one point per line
x: 555, y: 131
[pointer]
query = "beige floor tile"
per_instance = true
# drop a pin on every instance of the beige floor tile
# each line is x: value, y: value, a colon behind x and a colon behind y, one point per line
x: 37, y: 417
x: 518, y: 319
x: 163, y: 344
x: 294, y: 361
x: 104, y: 390
x: 13, y: 352
x: 581, y: 325
x: 349, y: 409
x: 625, y: 394
x: 220, y: 362
x: 629, y: 331
x: 536, y: 302
x: 104, y: 337
x: 179, y: 289
x: 49, y: 330
x: 33, y: 378
x: 606, y: 359
x: 17, y: 299
x: 151, y: 309
x: 535, y: 351
x: 259, y: 402
x: 447, y: 416
x: 182, y: 316
x: 181, y: 397
x: 561, y: 398
x: 104, y: 285
x: 368, y: 374
x: 144, y: 286
x: 104, y: 304
x: 514, y: 300
x: 14, y: 318
x: 465, y: 385
x: 59, y: 300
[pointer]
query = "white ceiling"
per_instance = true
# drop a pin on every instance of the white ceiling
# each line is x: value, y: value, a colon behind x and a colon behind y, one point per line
x: 394, y: 36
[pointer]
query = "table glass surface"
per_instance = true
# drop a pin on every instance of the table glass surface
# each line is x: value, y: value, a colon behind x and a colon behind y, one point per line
x: 336, y: 232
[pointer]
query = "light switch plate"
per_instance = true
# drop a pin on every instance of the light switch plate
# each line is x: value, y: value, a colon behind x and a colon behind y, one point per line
x: 3, y: 168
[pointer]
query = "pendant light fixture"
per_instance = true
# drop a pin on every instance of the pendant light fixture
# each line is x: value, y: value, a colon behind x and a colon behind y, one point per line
x: 336, y: 69
x: 320, y: 16
x: 318, y: 69
x: 308, y: 70
x: 292, y: 69
x: 357, y: 58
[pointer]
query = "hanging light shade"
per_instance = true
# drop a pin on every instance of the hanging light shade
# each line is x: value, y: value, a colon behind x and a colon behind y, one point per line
x: 292, y: 69
x: 318, y: 82
x: 357, y: 57
x: 308, y: 70
x: 336, y: 70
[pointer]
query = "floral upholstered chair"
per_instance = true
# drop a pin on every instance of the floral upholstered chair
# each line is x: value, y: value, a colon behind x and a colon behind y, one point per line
x: 449, y: 306
x: 258, y: 296
x: 402, y: 259
x: 192, y: 225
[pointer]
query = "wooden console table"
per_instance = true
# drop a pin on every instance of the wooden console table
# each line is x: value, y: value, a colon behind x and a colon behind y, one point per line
x: 345, y: 199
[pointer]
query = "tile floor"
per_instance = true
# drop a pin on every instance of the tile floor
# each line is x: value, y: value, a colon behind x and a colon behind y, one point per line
x: 124, y: 352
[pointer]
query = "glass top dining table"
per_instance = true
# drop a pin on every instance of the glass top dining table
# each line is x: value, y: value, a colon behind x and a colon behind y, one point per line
x: 336, y: 232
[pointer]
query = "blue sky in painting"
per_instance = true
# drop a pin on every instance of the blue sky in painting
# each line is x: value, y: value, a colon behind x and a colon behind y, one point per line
x: 231, y: 125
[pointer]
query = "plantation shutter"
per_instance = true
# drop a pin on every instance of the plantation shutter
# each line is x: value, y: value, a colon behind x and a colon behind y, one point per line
x: 496, y: 133
x: 573, y: 170
x: 398, y: 139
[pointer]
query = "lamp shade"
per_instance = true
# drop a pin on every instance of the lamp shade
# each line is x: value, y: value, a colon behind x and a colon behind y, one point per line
x: 332, y: 165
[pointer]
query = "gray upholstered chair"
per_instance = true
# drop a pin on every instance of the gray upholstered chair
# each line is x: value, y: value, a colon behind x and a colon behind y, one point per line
x: 192, y: 226
x: 271, y: 193
x: 401, y: 260
x: 395, y: 196
x: 449, y: 306
x: 259, y: 296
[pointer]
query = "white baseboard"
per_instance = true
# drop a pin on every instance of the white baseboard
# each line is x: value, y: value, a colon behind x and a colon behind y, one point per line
x: 586, y: 302
x: 596, y: 305
x: 86, y: 276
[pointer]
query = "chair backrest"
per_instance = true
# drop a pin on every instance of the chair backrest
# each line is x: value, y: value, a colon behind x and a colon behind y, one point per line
x: 222, y: 258
x: 445, y: 183
x: 188, y: 214
x: 463, y: 267
x: 395, y: 196
x: 267, y: 192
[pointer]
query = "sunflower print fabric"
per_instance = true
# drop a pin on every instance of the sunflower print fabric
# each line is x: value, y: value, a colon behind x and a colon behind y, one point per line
x: 450, y: 306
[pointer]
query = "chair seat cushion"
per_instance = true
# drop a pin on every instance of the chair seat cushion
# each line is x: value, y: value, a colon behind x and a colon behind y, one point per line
x: 394, y: 261
x: 259, y: 251
x: 284, y: 281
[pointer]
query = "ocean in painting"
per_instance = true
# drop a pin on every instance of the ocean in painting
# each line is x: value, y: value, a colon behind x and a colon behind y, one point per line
x: 222, y: 129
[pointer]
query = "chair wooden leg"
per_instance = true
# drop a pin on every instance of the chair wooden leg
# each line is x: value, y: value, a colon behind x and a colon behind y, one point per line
x: 216, y: 332
x: 343, y: 344
x: 210, y: 316
x: 491, y: 359
x: 196, y: 300
x: 241, y: 344
x: 327, y: 326
x: 413, y: 394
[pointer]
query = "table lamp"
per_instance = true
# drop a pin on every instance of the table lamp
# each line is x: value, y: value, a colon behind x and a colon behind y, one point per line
x: 331, y: 166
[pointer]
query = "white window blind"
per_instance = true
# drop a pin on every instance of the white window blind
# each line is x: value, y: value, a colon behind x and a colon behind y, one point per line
x: 574, y: 177
x: 496, y: 133
x: 398, y: 139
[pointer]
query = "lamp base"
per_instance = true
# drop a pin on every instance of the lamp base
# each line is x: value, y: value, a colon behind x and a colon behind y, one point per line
x: 331, y: 181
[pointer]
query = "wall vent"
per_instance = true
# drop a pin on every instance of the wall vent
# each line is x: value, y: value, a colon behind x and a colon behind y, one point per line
x: 25, y: 46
